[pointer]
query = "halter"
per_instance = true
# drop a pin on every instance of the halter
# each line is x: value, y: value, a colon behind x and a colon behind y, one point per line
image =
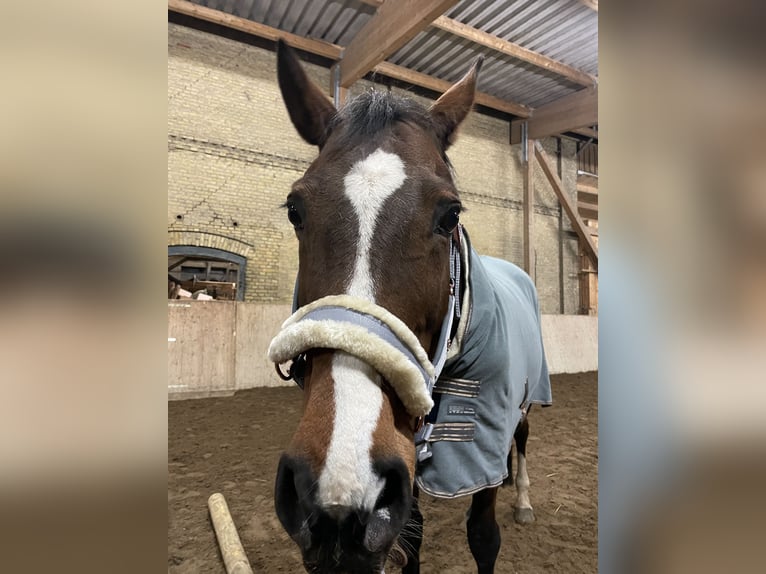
x: 376, y: 336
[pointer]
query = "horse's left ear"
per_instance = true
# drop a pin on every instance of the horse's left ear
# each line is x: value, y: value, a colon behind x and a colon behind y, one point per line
x: 310, y: 110
x: 454, y: 104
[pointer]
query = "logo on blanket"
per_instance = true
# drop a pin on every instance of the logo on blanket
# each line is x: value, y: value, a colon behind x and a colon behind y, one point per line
x: 461, y: 410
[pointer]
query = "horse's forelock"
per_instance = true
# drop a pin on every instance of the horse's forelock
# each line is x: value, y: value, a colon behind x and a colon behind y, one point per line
x: 374, y: 112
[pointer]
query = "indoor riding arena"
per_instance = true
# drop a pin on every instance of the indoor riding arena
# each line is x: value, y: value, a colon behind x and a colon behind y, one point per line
x: 525, y: 165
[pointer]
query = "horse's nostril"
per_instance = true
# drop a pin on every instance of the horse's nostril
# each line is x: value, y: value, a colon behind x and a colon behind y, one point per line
x: 379, y: 532
x: 293, y: 498
x: 392, y: 508
x: 398, y: 488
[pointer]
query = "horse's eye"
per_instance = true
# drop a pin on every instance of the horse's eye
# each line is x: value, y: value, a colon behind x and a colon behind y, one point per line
x: 448, y: 221
x: 294, y: 216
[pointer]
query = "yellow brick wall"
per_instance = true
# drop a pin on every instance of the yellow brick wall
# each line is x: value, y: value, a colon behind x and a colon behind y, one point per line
x: 233, y: 154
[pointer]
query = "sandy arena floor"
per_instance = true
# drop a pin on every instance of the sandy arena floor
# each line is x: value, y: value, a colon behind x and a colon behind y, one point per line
x: 232, y: 445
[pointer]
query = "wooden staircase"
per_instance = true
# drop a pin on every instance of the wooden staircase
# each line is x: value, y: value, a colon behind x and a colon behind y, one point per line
x: 587, y: 207
x: 587, y: 196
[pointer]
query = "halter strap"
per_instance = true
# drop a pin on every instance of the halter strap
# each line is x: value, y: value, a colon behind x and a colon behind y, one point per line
x: 423, y: 432
x: 373, y: 334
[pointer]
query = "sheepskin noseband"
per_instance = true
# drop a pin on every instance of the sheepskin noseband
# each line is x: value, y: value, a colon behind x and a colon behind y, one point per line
x: 367, y: 331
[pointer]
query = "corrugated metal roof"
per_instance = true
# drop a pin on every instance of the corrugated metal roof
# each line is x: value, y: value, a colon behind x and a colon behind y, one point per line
x: 564, y: 30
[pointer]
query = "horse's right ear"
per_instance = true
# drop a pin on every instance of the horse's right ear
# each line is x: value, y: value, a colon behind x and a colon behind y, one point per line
x: 310, y: 110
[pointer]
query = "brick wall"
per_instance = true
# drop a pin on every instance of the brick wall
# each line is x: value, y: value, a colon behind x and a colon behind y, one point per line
x: 233, y: 154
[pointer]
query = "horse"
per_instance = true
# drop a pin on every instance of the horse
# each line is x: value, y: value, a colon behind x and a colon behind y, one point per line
x: 411, y: 376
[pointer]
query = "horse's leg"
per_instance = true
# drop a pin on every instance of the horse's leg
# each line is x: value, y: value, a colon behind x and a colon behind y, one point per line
x: 483, y: 531
x: 508, y: 481
x: 411, y: 537
x: 523, y: 512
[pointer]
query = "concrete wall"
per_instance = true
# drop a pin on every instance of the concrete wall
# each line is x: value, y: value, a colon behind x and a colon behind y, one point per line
x: 233, y: 154
x: 201, y: 347
x: 571, y: 343
x: 218, y: 347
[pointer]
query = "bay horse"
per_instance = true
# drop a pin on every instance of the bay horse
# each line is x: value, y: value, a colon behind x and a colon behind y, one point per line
x: 404, y: 340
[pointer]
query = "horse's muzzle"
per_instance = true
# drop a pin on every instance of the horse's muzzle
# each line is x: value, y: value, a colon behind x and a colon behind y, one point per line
x: 342, y: 539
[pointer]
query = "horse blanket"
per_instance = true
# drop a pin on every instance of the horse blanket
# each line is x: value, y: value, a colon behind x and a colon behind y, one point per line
x: 495, y: 369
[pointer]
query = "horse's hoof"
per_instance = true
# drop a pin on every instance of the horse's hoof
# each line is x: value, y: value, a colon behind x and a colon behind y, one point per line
x: 523, y: 515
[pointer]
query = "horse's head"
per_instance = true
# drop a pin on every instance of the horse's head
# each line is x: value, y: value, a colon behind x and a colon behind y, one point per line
x: 373, y: 215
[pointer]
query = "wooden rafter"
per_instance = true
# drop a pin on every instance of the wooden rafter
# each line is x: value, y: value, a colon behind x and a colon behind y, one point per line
x: 592, y: 4
x: 395, y: 23
x: 517, y: 51
x: 311, y: 45
x: 437, y: 85
x: 568, y: 204
x: 333, y: 52
x: 565, y: 114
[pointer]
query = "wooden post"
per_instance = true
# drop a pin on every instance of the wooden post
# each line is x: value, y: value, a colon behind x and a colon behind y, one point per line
x: 234, y: 557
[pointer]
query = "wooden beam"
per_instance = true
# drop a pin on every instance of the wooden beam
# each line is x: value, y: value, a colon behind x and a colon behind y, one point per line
x: 592, y: 4
x: 318, y: 47
x: 395, y: 23
x: 529, y: 210
x: 517, y: 51
x: 567, y: 203
x: 333, y: 52
x: 577, y: 110
x: 437, y: 85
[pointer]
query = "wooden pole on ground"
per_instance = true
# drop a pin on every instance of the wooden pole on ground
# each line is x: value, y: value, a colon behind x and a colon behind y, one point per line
x: 234, y: 557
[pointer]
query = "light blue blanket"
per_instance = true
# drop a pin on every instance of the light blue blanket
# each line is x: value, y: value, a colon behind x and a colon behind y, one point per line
x: 500, y: 369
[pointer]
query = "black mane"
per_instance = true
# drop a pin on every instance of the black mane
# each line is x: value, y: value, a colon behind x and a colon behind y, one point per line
x: 373, y: 111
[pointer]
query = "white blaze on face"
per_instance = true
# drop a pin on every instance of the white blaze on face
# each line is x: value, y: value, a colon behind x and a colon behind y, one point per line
x: 368, y: 184
x: 348, y: 479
